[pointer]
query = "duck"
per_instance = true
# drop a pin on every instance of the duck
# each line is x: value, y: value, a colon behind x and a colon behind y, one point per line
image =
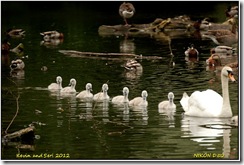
x: 102, y: 96
x: 15, y: 33
x: 19, y: 49
x: 121, y: 99
x: 140, y: 101
x: 126, y: 10
x: 70, y: 88
x: 209, y: 103
x: 223, y: 49
x: 167, y: 104
x: 192, y: 52
x: 57, y: 85
x: 231, y: 12
x: 17, y: 64
x: 133, y: 65
x: 215, y: 60
x: 50, y: 35
x: 86, y: 94
x: 223, y: 36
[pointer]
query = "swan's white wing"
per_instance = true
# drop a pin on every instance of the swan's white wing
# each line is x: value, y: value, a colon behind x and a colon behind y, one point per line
x: 118, y: 99
x: 184, y: 101
x: 205, y: 104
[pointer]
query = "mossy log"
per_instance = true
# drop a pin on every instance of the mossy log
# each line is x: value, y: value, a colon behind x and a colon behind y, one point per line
x: 158, y: 25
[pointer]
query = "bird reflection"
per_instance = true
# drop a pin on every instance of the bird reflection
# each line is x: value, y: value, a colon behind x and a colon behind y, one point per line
x: 169, y: 114
x: 53, y: 43
x: 207, y: 131
x: 139, y: 115
x: 19, y: 74
x: 101, y: 108
x: 127, y: 46
x: 123, y: 110
x: 87, y: 105
x: 133, y: 69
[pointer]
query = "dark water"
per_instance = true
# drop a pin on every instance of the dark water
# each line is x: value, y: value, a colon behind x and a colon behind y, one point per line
x: 80, y: 130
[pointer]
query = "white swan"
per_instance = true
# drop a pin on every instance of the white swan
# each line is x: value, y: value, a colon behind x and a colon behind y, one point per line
x: 57, y: 85
x: 70, y: 88
x: 101, y: 96
x: 86, y: 94
x: 121, y: 99
x: 167, y: 104
x: 140, y: 101
x: 209, y: 103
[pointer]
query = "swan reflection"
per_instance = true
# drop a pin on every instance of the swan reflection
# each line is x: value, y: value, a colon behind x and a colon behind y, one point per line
x: 208, y: 132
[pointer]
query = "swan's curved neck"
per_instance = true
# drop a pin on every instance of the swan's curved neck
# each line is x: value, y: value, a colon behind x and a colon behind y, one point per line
x: 60, y: 85
x: 226, y: 108
x: 104, y: 93
x: 125, y: 96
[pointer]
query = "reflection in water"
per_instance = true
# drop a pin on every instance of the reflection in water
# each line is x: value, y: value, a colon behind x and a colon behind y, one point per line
x: 206, y: 131
x: 169, y: 114
x: 19, y: 74
x: 87, y: 105
x: 101, y: 108
x: 127, y: 46
x: 123, y: 110
x: 53, y: 43
x: 133, y: 70
x: 139, y: 115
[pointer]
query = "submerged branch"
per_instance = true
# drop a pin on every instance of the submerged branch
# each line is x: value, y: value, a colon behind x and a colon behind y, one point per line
x: 112, y: 56
x: 17, y: 107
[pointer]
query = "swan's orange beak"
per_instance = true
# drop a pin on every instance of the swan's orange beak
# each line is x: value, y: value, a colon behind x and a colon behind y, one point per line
x: 231, y: 76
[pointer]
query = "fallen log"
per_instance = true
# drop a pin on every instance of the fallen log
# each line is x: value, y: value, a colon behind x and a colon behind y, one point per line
x: 158, y: 25
x: 19, y: 133
x: 75, y: 53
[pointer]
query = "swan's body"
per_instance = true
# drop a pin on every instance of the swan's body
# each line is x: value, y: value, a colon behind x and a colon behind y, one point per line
x: 102, y: 96
x: 70, y: 88
x: 57, y: 85
x: 126, y: 10
x: 167, y: 104
x: 121, y: 99
x: 209, y: 103
x: 86, y: 94
x: 140, y: 101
